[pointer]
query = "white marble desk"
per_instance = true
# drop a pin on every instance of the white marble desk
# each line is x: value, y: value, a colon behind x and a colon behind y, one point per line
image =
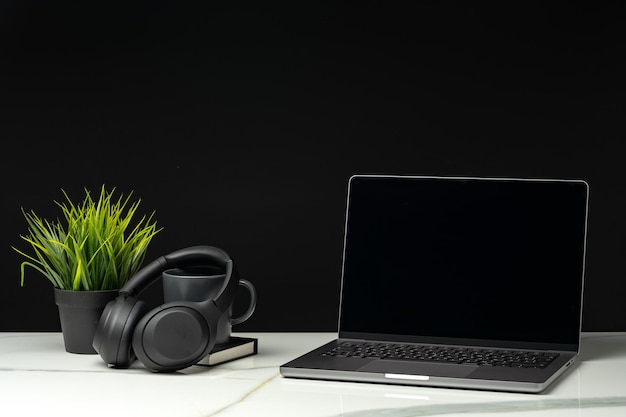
x: 38, y: 378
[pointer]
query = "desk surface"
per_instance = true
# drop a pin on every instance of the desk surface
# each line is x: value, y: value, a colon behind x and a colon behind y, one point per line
x: 38, y: 378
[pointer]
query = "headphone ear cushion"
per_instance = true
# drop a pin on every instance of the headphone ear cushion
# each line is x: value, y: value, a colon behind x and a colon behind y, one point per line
x: 174, y: 336
x: 113, y: 336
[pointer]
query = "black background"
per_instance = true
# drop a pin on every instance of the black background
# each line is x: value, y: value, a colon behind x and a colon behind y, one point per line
x: 240, y: 124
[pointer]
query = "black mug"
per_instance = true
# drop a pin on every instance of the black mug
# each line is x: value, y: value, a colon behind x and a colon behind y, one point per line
x: 203, y: 283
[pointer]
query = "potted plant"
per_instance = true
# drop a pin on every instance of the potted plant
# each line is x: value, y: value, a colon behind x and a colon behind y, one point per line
x: 87, y: 256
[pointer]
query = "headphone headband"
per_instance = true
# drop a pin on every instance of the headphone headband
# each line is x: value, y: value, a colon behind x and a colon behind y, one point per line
x: 186, y: 257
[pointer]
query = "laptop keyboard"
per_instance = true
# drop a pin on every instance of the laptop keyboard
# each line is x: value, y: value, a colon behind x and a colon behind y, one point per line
x: 445, y: 354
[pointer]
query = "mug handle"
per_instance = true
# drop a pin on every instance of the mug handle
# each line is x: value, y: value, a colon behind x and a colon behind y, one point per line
x: 245, y: 316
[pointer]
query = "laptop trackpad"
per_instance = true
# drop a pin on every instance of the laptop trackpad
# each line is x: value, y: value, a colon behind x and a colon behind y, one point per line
x: 418, y: 368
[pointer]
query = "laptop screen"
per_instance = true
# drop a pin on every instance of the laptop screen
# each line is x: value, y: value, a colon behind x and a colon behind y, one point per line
x: 476, y: 259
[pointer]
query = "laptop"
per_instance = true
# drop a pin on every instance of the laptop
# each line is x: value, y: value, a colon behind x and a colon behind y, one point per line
x: 457, y: 282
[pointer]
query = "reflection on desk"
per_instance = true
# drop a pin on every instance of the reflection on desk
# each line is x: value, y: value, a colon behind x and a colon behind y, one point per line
x: 37, y: 377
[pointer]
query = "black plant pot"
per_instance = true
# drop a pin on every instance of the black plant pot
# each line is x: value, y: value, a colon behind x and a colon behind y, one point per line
x: 79, y: 312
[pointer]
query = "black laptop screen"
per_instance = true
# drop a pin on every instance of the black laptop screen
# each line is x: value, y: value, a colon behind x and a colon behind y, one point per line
x: 486, y: 259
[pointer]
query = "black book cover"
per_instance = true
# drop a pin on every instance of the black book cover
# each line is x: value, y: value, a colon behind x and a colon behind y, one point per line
x: 235, y: 348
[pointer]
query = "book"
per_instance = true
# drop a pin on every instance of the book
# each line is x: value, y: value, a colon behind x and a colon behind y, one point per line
x: 235, y: 348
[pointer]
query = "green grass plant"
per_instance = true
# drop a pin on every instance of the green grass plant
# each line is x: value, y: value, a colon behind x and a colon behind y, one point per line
x: 97, y: 246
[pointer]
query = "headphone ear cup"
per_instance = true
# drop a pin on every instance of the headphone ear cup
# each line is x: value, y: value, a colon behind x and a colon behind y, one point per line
x: 113, y: 336
x: 175, y: 336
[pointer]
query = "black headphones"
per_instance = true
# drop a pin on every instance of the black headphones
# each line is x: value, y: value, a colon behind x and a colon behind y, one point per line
x: 174, y: 335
